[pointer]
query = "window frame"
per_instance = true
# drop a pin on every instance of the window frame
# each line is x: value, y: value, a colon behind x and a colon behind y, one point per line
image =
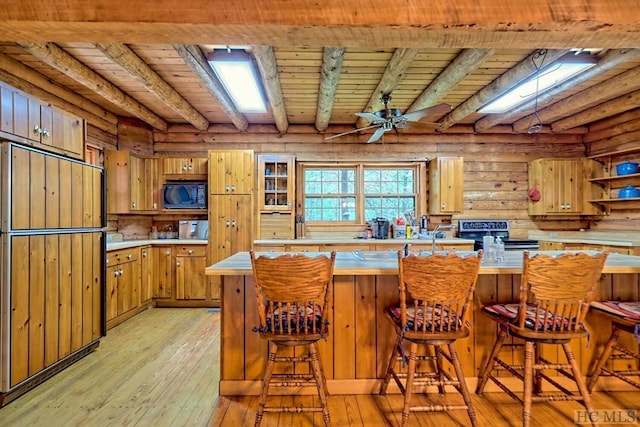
x: 420, y: 179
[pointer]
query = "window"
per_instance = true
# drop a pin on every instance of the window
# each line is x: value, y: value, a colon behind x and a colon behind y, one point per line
x: 358, y: 193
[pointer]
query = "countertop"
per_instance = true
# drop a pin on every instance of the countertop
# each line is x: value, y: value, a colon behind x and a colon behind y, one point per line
x: 610, y: 238
x: 348, y: 264
x: 334, y: 241
x: 111, y: 246
x: 593, y: 241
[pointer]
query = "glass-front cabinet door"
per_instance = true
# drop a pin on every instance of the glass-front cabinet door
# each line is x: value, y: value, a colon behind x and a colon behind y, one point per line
x: 276, y: 175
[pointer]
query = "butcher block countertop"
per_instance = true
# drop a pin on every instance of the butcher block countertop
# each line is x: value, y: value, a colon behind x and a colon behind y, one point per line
x: 348, y: 264
x: 112, y: 246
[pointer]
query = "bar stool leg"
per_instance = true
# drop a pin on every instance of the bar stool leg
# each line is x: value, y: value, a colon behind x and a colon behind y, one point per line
x: 606, y: 352
x: 268, y: 372
x: 321, y: 382
x: 490, y: 362
x: 463, y: 384
x: 537, y: 373
x: 438, y: 354
x: 392, y: 360
x: 582, y: 388
x: 409, y: 387
x: 528, y: 382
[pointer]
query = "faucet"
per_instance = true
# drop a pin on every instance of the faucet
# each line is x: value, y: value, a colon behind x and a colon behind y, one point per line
x: 435, y: 230
x: 405, y: 248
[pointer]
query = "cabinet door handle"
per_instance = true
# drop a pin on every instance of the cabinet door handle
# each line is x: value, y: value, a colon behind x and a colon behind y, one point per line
x: 227, y: 223
x: 133, y: 205
x: 144, y: 254
x: 129, y: 256
x: 37, y: 130
x: 226, y: 188
x: 46, y: 133
x: 233, y: 188
x: 177, y: 263
x: 233, y: 223
x: 190, y: 251
x: 167, y: 253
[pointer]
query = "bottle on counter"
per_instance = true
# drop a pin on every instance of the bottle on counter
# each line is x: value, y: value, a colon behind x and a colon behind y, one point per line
x: 153, y: 235
x: 499, y: 252
x: 488, y: 246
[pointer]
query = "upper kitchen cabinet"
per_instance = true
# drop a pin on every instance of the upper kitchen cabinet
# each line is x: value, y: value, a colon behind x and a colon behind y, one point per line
x: 28, y: 120
x: 562, y: 186
x: 184, y: 167
x: 275, y: 181
x: 446, y: 185
x: 132, y: 182
x: 231, y: 172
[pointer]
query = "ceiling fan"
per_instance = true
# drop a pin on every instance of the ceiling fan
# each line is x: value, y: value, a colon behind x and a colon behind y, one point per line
x: 391, y: 118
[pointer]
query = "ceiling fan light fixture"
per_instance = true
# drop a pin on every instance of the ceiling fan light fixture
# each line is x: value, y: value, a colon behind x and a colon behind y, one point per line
x: 553, y: 74
x: 237, y: 72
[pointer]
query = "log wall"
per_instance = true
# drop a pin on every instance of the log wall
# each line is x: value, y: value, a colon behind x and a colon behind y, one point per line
x: 495, y: 165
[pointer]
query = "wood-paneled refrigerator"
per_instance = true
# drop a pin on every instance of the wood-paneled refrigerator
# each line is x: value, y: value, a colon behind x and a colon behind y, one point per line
x: 52, y: 291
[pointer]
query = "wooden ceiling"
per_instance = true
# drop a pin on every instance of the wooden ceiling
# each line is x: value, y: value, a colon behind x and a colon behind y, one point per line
x: 322, y: 64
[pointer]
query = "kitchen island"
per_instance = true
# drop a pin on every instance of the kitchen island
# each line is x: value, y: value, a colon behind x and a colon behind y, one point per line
x: 361, y: 338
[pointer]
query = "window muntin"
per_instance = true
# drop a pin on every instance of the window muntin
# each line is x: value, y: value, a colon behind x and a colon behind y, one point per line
x: 330, y: 194
x: 389, y: 192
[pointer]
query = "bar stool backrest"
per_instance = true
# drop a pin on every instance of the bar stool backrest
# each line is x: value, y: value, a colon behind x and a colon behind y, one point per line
x: 296, y: 285
x: 436, y: 290
x: 556, y: 291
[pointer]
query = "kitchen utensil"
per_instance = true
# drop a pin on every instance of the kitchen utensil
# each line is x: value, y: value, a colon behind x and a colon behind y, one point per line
x: 629, y: 192
x: 627, y: 168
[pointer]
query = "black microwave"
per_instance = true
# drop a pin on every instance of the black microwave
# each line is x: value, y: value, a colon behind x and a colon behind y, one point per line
x: 184, y: 195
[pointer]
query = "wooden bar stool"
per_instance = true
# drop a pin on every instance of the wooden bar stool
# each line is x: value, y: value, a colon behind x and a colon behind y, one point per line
x: 436, y: 293
x: 625, y: 317
x: 293, y: 294
x: 554, y: 300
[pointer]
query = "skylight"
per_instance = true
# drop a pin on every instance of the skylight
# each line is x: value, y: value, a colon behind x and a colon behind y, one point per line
x: 237, y: 72
x: 547, y: 77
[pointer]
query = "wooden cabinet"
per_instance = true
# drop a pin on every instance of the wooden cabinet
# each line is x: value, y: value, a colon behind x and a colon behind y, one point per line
x: 122, y: 284
x: 231, y: 172
x: 146, y: 274
x: 562, y: 184
x: 231, y: 206
x: 54, y: 291
x: 53, y: 192
x: 34, y: 121
x: 132, y: 183
x: 446, y: 185
x: 163, y: 271
x: 184, y: 167
x: 276, y: 200
x: 191, y: 283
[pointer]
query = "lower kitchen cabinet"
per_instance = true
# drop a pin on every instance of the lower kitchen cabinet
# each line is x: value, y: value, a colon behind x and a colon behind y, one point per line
x: 123, y: 285
x: 163, y: 272
x: 179, y: 276
x: 191, y: 283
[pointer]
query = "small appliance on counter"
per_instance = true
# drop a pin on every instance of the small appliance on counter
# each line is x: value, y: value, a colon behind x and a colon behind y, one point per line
x: 380, y: 228
x: 192, y: 230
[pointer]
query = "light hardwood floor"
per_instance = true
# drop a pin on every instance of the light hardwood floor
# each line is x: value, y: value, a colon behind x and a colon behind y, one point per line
x: 161, y: 367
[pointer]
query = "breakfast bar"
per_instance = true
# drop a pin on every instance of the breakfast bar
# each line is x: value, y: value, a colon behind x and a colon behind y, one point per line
x: 361, y: 338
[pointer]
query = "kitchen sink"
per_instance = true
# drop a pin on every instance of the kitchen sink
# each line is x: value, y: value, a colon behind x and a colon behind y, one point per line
x: 376, y: 255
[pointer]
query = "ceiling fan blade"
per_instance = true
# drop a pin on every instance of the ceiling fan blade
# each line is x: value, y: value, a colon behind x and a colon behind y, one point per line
x: 376, y: 135
x: 414, y: 116
x: 371, y: 117
x: 351, y: 131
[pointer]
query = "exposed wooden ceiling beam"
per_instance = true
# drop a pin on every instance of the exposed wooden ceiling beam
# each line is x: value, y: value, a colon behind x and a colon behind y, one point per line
x: 608, y: 61
x: 428, y: 23
x: 196, y: 60
x: 332, y: 58
x: 127, y: 59
x: 610, y: 88
x: 53, y: 55
x: 507, y: 80
x: 466, y: 62
x: 395, y: 71
x: 266, y: 60
x: 607, y: 109
x: 26, y: 79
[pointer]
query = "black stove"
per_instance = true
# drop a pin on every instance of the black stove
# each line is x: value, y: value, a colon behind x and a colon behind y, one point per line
x: 476, y: 229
